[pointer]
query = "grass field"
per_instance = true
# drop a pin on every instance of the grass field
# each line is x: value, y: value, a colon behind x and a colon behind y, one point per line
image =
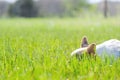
x: 39, y: 49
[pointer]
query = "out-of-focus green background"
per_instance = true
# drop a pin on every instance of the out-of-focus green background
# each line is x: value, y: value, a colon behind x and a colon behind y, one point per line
x: 37, y: 38
x: 59, y: 8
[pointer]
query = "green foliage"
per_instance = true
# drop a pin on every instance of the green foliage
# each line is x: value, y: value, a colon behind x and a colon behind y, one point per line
x: 75, y: 7
x: 23, y: 8
x: 39, y: 49
x: 48, y: 8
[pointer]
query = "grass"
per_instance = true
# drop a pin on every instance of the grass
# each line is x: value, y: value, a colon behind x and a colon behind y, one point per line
x: 39, y: 49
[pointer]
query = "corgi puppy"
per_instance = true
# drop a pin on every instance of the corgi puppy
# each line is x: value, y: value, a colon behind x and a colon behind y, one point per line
x: 88, y: 50
x: 85, y: 48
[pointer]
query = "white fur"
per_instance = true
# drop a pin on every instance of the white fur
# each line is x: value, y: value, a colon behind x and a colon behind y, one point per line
x: 78, y: 51
x: 110, y: 47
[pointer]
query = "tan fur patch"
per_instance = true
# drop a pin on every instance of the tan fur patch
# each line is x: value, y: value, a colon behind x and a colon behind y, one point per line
x: 91, y: 49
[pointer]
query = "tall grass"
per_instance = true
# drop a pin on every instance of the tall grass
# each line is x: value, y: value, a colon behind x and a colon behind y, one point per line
x: 39, y: 49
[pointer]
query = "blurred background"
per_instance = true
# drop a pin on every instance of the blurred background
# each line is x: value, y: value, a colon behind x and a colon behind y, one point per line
x: 59, y: 8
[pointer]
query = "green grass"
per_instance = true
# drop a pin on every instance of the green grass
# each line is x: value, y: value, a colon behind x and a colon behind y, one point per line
x: 39, y: 49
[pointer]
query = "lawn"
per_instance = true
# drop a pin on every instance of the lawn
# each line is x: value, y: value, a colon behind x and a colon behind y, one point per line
x: 39, y: 49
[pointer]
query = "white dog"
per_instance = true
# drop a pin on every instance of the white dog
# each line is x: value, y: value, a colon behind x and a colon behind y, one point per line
x: 110, y: 47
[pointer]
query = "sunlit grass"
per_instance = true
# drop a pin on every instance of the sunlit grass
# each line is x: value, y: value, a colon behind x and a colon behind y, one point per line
x: 39, y: 49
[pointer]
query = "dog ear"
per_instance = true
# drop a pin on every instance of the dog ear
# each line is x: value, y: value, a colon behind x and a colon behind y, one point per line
x: 91, y: 49
x: 84, y: 42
